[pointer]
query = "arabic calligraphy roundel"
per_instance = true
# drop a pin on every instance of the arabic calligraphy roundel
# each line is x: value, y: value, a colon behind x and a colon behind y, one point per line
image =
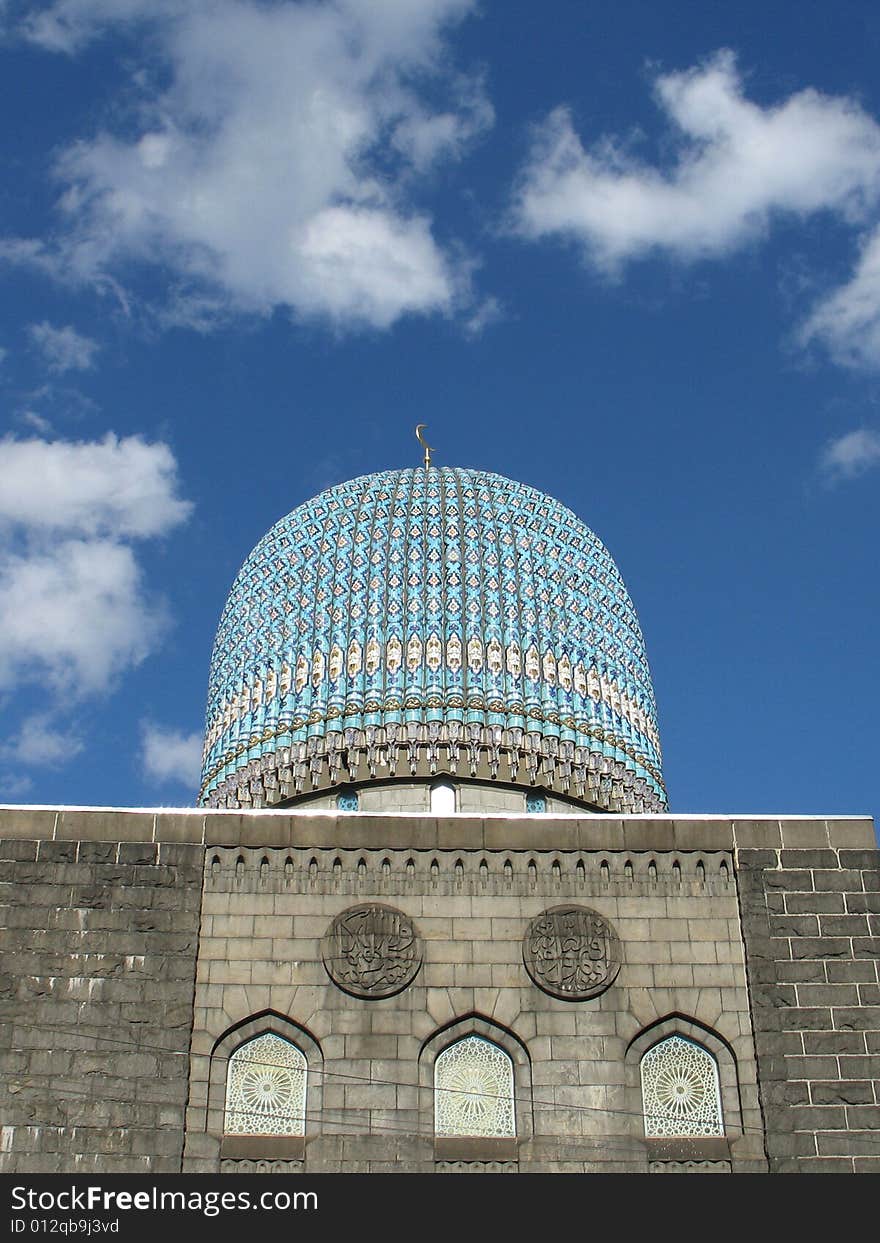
x: 571, y: 952
x: 372, y: 951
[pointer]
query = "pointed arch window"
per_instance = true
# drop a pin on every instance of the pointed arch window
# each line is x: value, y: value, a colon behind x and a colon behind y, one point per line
x: 680, y: 1091
x: 473, y: 1090
x: 266, y: 1088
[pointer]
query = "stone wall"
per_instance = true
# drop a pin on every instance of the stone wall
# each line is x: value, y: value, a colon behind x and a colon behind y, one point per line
x: 812, y: 922
x: 473, y: 798
x: 140, y: 949
x: 266, y: 910
x: 99, y: 943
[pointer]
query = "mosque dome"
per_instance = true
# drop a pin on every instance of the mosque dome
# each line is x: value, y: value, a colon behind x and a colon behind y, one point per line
x: 431, y: 621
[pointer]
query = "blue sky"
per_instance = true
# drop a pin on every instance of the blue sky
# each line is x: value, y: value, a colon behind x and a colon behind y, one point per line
x: 627, y: 254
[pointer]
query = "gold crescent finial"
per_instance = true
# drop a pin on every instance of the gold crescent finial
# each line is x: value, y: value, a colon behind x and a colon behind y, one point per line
x: 420, y: 438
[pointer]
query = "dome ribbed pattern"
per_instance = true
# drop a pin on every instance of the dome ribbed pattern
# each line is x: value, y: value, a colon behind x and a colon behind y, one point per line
x: 419, y: 621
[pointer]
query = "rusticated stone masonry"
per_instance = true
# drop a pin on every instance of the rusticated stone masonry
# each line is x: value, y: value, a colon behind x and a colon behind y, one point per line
x: 99, y: 945
x: 811, y: 920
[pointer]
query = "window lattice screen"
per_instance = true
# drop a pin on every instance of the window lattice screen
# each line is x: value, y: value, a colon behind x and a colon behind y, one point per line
x: 473, y: 1090
x: 266, y: 1088
x: 680, y: 1093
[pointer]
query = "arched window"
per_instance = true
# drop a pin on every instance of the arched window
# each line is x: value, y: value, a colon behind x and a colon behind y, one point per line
x: 443, y: 798
x: 266, y: 1088
x: 347, y: 800
x: 680, y: 1094
x: 473, y: 1090
x: 535, y: 802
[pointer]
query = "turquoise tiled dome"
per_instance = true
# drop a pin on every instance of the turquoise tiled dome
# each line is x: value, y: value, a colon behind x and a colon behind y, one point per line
x: 420, y: 621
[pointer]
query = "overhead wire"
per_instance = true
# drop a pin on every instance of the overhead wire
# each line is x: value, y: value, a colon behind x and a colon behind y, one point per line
x: 526, y: 1101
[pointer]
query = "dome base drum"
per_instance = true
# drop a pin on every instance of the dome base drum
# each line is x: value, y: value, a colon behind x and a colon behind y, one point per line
x: 307, y: 768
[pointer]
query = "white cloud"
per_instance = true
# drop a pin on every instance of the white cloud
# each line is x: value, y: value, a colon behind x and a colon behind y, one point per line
x: 68, y: 25
x: 489, y: 311
x: 64, y: 349
x: 75, y: 612
x: 39, y: 742
x: 364, y: 264
x: 36, y: 421
x: 737, y: 165
x: 14, y: 785
x: 61, y: 400
x: 121, y: 488
x: 29, y: 252
x: 850, y: 455
x: 275, y: 167
x: 847, y: 322
x: 169, y: 755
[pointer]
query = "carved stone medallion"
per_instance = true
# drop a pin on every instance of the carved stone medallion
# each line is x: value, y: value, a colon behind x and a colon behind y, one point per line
x: 571, y: 952
x: 372, y: 951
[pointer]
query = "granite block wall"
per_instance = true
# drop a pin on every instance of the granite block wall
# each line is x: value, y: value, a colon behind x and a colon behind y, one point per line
x: 98, y: 945
x: 812, y: 924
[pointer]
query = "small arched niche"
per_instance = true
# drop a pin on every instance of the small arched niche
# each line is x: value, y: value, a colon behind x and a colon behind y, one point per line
x: 475, y: 1091
x: 265, y: 1085
x: 442, y: 798
x: 683, y: 1094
